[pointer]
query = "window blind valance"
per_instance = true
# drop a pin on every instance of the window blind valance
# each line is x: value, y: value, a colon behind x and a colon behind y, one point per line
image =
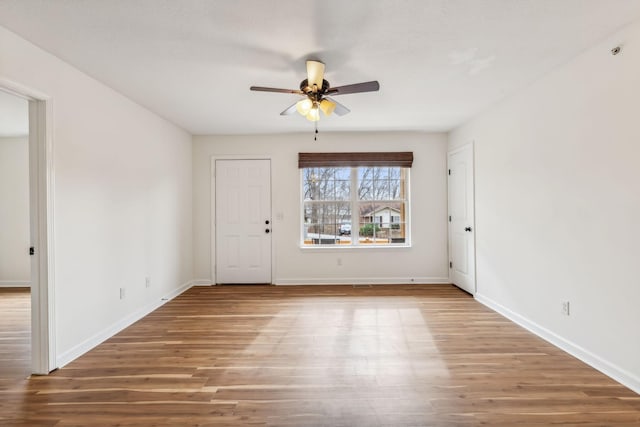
x: 316, y: 160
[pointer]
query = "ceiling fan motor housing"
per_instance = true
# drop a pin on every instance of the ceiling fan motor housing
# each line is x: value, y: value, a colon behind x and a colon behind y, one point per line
x: 317, y: 94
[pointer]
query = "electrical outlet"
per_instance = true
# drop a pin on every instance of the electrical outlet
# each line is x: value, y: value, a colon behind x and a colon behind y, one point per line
x: 566, y: 308
x: 147, y: 282
x: 121, y: 293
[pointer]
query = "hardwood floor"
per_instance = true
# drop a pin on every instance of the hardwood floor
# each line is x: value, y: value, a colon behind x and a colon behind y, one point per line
x: 420, y: 355
x: 15, y: 333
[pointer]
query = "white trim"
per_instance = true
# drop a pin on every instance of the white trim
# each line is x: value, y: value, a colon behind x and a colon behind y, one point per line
x: 202, y: 282
x: 21, y: 91
x: 212, y: 221
x: 365, y: 280
x: 41, y: 200
x: 108, y: 332
x: 461, y: 148
x: 43, y: 327
x: 301, y: 209
x: 349, y: 247
x: 623, y: 376
x: 15, y: 284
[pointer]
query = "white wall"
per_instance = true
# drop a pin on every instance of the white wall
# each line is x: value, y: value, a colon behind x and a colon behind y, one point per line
x: 14, y: 212
x: 558, y: 204
x: 122, y: 198
x: 425, y: 261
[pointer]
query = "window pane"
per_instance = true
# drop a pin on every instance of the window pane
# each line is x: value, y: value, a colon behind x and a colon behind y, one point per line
x: 326, y: 183
x: 369, y: 227
x: 343, y: 213
x: 382, y: 222
x: 376, y: 183
x: 343, y: 174
x: 381, y: 210
x: 326, y: 190
x: 365, y: 189
x: 394, y: 190
x: 381, y: 191
x: 383, y: 173
x: 324, y: 223
x: 319, y: 213
x: 342, y: 189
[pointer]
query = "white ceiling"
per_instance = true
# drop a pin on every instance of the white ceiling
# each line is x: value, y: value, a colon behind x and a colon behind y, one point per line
x: 439, y: 62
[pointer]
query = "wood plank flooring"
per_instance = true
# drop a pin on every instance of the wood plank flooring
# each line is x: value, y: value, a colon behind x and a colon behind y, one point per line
x: 419, y: 355
x: 15, y: 333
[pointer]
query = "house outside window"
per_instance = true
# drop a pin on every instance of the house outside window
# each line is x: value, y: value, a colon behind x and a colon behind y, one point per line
x: 355, y: 205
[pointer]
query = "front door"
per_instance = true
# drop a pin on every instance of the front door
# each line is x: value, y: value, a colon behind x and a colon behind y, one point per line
x: 461, y: 219
x: 243, y: 221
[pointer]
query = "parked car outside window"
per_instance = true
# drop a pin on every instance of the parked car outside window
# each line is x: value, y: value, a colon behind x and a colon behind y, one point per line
x: 345, y: 229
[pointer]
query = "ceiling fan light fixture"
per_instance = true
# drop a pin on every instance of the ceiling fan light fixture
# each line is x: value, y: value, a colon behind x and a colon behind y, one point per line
x: 304, y: 106
x: 327, y: 106
x: 315, y: 73
x: 314, y: 114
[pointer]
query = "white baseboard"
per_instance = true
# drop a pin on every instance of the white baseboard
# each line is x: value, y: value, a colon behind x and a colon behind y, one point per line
x: 80, y: 349
x: 364, y: 280
x: 15, y: 284
x: 611, y: 370
x: 202, y: 282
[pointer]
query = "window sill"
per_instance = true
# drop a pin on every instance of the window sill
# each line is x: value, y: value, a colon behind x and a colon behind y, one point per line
x: 365, y: 247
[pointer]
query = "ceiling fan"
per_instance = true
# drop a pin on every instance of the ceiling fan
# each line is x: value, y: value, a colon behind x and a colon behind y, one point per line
x: 316, y: 91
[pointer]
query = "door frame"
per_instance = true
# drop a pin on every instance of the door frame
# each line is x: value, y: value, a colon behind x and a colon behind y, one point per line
x: 470, y: 146
x: 212, y: 209
x: 41, y: 204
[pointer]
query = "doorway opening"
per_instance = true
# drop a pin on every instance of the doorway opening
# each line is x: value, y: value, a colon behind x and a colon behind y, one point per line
x: 31, y: 243
x: 15, y: 265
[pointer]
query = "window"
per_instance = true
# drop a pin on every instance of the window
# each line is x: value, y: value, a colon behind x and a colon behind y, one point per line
x: 357, y: 202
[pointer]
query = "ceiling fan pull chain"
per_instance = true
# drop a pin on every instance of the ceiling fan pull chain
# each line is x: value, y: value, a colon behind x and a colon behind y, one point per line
x: 315, y: 137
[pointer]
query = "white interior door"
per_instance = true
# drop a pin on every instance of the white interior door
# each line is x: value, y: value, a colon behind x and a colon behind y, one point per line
x: 462, y: 265
x: 243, y: 221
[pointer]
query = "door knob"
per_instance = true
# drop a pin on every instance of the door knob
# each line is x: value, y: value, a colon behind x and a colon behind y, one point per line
x: 267, y: 231
x: 467, y: 229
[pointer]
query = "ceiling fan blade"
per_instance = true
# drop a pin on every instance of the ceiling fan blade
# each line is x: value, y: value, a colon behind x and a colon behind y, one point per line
x: 371, y: 86
x: 315, y: 73
x: 340, y: 109
x: 273, y: 89
x: 289, y: 110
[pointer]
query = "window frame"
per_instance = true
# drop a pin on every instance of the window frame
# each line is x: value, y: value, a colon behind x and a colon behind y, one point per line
x: 355, y: 211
